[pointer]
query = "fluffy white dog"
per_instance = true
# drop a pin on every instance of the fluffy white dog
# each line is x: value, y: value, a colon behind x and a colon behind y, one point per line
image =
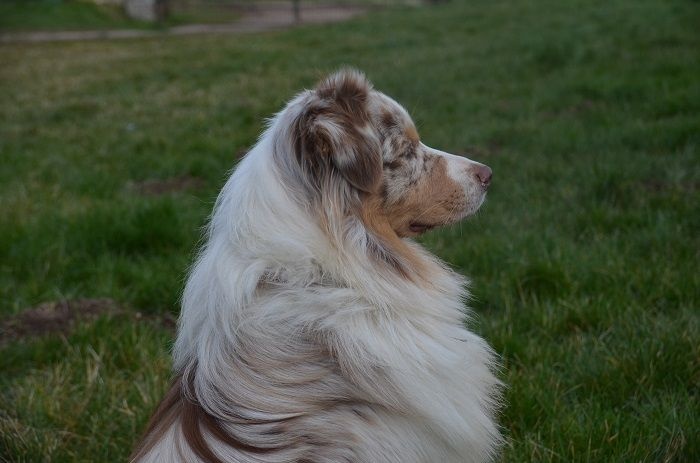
x: 313, y: 329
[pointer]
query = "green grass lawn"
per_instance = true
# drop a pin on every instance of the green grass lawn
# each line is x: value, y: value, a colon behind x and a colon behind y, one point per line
x: 32, y: 15
x: 16, y: 15
x: 584, y: 260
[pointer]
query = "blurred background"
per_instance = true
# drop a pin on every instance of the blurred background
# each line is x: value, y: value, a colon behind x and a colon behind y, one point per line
x: 120, y: 120
x: 103, y: 14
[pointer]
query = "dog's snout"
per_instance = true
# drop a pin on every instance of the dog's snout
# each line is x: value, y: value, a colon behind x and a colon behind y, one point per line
x: 483, y: 174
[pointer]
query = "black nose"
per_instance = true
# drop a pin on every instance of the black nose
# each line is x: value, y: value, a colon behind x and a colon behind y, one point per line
x: 483, y: 175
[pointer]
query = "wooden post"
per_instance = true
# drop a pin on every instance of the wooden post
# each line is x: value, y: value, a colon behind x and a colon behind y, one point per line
x: 297, y: 12
x: 162, y: 10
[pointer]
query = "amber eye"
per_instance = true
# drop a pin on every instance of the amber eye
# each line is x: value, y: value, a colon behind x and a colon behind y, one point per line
x: 394, y: 164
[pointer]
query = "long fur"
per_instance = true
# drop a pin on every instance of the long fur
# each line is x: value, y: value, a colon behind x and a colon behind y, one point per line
x: 307, y: 336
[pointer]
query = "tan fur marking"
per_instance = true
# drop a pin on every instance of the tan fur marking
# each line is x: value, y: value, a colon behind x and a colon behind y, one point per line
x: 412, y: 134
x: 395, y: 252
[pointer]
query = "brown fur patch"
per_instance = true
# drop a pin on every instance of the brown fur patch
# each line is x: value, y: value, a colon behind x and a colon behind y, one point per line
x: 194, y: 421
x: 55, y: 317
x: 347, y: 87
x: 61, y: 317
x: 412, y: 134
x: 162, y: 419
x: 331, y: 134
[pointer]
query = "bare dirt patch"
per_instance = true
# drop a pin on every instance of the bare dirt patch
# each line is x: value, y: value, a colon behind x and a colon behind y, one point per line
x: 55, y: 317
x: 166, y: 320
x: 61, y: 317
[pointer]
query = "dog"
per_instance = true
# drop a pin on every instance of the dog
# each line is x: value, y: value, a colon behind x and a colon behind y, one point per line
x: 313, y: 328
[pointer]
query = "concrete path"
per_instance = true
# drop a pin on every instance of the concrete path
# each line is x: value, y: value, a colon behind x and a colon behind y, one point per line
x: 264, y: 18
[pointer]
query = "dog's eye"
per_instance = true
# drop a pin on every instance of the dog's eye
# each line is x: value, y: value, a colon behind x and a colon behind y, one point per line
x: 394, y: 164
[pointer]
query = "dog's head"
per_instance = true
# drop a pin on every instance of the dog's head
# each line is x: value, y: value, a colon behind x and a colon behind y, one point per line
x: 347, y: 134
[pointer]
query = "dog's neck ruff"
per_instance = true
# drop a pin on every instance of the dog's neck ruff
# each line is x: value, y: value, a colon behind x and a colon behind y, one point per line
x: 264, y: 236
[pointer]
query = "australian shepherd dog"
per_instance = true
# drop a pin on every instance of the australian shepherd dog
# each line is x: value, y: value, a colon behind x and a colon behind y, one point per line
x: 313, y: 328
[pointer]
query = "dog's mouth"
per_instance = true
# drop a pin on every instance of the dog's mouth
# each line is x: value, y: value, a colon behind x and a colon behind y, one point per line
x: 424, y: 222
x: 420, y: 228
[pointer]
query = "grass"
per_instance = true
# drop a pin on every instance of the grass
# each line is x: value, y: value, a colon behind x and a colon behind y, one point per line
x: 30, y: 15
x: 18, y: 15
x: 584, y: 260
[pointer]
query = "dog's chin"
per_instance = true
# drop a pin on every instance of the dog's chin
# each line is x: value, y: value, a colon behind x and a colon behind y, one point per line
x: 417, y: 227
x: 481, y: 199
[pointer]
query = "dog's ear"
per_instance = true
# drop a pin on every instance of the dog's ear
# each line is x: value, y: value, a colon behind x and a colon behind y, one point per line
x: 334, y: 132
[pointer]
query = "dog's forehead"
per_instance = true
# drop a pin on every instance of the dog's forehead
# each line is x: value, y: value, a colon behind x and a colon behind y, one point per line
x: 392, y: 116
x: 388, y: 108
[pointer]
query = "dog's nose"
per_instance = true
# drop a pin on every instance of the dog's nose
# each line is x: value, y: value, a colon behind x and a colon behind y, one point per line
x: 483, y: 174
